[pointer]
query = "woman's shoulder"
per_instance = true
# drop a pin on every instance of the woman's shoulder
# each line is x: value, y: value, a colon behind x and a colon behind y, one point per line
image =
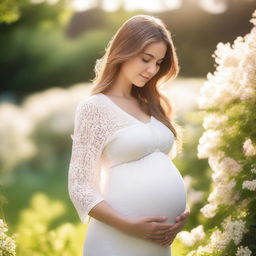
x: 91, y: 102
x: 97, y: 109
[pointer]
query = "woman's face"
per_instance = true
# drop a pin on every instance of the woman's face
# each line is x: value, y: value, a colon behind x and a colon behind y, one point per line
x: 140, y: 69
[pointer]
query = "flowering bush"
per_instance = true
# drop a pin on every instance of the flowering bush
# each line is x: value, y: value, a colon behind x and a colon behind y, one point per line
x: 228, y: 98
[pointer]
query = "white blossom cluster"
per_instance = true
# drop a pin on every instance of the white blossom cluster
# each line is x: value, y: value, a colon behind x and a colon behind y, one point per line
x: 190, y: 238
x: 224, y: 169
x: 208, y: 143
x: 223, y: 193
x: 7, y: 244
x: 235, y: 76
x: 248, y: 147
x: 214, y: 121
x: 243, y: 251
x: 249, y: 184
x: 253, y: 170
x: 249, y: 150
x: 233, y: 231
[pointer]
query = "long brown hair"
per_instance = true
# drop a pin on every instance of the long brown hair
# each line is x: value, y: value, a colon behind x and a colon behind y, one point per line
x: 129, y: 41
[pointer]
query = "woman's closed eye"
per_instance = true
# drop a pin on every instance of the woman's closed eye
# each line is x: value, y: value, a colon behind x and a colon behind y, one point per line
x: 147, y: 61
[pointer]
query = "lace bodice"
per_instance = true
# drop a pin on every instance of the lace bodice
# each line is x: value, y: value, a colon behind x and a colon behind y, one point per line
x: 96, y: 121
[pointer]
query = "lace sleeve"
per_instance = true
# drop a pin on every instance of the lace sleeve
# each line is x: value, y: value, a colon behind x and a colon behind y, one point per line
x: 84, y: 168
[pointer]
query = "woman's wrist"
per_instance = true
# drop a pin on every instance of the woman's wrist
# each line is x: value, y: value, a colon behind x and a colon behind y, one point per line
x: 124, y: 224
x: 105, y: 213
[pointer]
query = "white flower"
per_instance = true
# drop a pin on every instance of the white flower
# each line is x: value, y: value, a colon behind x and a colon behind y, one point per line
x: 209, y: 210
x: 249, y: 184
x: 224, y: 169
x: 198, y: 233
x: 230, y: 165
x: 253, y: 170
x: 218, y: 240
x: 243, y: 251
x: 234, y: 230
x: 213, y: 121
x: 247, y: 94
x: 186, y: 238
x: 7, y: 244
x: 208, y: 143
x: 201, y: 250
x: 3, y: 226
x: 248, y: 148
x: 224, y: 194
x: 189, y: 238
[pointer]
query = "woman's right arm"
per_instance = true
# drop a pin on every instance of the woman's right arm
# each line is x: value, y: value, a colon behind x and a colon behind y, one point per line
x: 89, y: 135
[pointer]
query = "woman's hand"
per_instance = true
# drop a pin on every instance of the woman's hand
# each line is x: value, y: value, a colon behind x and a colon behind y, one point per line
x: 149, y: 228
x: 177, y: 227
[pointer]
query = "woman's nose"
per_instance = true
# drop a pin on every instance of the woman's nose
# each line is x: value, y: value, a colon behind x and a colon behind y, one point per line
x: 152, y: 69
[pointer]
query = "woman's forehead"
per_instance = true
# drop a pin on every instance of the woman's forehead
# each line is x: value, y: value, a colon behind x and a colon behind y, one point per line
x: 155, y: 50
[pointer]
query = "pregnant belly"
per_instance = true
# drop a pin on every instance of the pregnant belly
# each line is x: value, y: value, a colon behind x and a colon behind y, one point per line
x: 150, y: 186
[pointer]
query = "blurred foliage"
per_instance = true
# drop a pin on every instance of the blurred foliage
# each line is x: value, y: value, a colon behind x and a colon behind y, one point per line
x: 40, y: 55
x: 10, y: 10
x: 39, y: 235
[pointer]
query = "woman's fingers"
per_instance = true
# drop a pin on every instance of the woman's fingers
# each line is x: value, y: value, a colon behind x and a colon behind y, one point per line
x: 174, y: 230
x: 179, y: 218
x: 187, y: 212
x: 157, y: 236
x: 165, y: 233
x: 183, y: 216
x: 161, y: 232
x: 166, y: 241
x: 162, y: 236
x: 175, y: 226
x: 164, y: 226
x: 170, y: 239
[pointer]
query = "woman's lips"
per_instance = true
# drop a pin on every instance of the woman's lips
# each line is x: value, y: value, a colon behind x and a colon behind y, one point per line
x: 146, y: 78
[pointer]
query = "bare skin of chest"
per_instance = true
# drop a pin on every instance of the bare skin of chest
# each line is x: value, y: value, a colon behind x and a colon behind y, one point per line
x: 131, y: 106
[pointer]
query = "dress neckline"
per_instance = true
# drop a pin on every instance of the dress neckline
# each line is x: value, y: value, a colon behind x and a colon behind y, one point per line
x: 113, y: 103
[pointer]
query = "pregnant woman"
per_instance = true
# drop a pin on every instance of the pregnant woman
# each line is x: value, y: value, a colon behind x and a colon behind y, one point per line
x: 124, y: 131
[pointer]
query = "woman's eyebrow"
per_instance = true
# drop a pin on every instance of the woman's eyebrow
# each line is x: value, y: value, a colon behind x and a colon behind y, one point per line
x: 152, y: 55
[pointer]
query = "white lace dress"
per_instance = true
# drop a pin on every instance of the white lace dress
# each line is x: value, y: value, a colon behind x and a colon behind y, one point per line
x: 140, y: 178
